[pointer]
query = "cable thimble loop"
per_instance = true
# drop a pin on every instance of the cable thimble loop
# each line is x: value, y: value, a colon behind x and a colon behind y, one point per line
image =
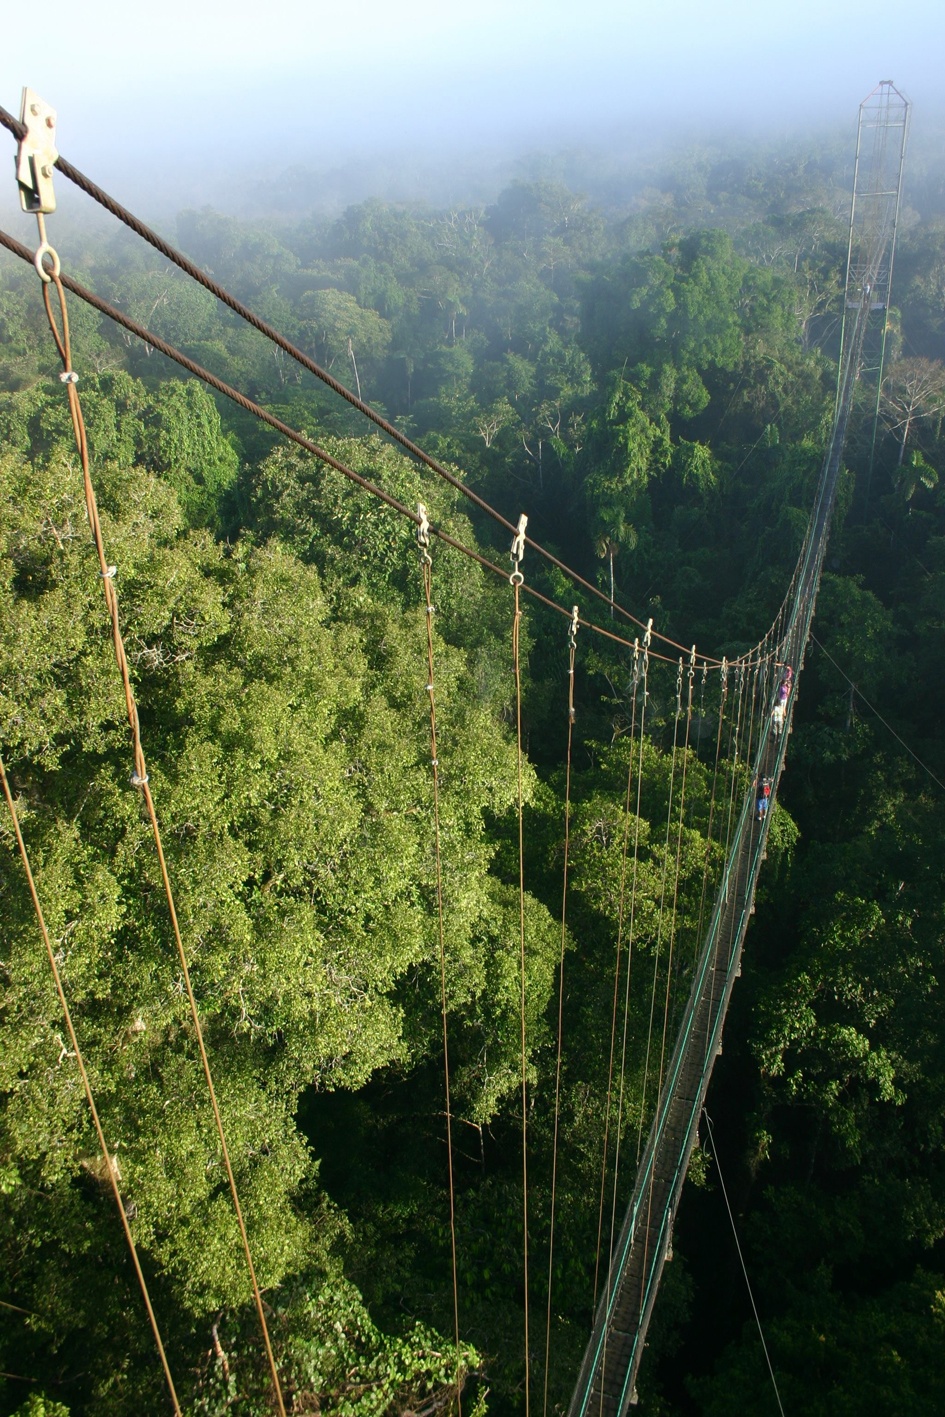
x: 44, y: 249
x: 423, y: 535
x: 518, y: 551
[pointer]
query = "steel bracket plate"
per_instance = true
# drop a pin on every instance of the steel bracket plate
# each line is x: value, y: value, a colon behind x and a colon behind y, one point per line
x: 36, y: 155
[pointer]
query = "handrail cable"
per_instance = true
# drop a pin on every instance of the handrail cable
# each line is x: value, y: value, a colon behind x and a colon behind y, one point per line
x: 110, y: 1165
x: 92, y: 190
x: 162, y: 346
x: 741, y: 1260
x: 139, y: 777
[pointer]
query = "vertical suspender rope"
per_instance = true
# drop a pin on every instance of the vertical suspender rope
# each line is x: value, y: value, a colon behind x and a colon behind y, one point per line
x: 426, y: 565
x: 80, y: 1063
x: 734, y: 745
x: 723, y: 700
x: 672, y: 929
x: 659, y: 927
x: 572, y: 648
x: 679, y: 837
x: 139, y: 777
x: 516, y: 579
x: 723, y: 694
x: 620, y: 921
x: 647, y: 638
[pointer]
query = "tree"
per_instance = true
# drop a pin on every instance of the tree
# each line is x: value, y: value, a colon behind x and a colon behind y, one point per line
x: 286, y: 726
x: 913, y: 390
x: 333, y: 323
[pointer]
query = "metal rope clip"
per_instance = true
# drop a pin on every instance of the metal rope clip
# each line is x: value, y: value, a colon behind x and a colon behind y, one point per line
x: 518, y: 551
x: 139, y: 780
x: 423, y: 534
x: 635, y: 676
x: 44, y: 249
x: 68, y: 377
x: 36, y: 155
x: 679, y: 685
x: 574, y: 627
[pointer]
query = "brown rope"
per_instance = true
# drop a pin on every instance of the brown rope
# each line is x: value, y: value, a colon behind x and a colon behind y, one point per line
x: 427, y: 574
x: 617, y: 955
x: 516, y: 580
x: 644, y: 679
x: 572, y: 649
x: 140, y: 778
x: 669, y: 960
x: 675, y: 909
x: 110, y: 1168
x: 659, y: 924
x: 723, y: 699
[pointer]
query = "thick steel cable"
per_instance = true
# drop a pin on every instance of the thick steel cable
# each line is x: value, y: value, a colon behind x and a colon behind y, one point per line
x: 140, y: 776
x: 91, y: 189
x: 516, y: 579
x: 572, y: 650
x: 211, y: 380
x: 617, y: 953
x: 110, y: 1167
x: 427, y: 575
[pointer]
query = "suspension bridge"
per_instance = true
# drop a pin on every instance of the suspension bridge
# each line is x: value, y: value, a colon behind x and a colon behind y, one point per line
x: 632, y: 1260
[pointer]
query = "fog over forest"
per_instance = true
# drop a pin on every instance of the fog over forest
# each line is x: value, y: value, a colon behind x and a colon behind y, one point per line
x: 305, y: 107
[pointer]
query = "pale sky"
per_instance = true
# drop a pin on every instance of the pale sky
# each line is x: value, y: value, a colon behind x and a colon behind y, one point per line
x: 279, y: 82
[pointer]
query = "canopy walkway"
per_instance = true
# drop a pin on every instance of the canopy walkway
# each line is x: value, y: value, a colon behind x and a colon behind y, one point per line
x: 606, y: 1385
